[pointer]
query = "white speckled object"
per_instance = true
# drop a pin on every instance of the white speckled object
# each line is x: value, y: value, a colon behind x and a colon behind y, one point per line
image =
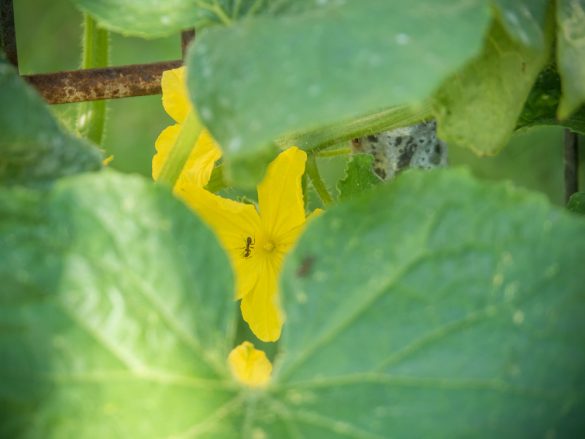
x: 415, y: 146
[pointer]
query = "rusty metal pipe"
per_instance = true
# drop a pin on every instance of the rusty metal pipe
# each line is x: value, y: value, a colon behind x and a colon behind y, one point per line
x: 103, y: 83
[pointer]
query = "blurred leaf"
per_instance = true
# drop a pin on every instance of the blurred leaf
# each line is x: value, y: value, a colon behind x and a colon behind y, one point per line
x: 156, y: 18
x: 434, y: 306
x: 359, y: 176
x: 415, y: 310
x: 571, y: 54
x: 117, y: 313
x: 542, y: 103
x: 153, y: 18
x: 33, y: 147
x: 478, y: 107
x: 577, y: 203
x: 524, y: 20
x: 273, y: 75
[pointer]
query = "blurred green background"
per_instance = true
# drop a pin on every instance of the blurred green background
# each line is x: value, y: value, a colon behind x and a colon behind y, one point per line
x: 49, y: 39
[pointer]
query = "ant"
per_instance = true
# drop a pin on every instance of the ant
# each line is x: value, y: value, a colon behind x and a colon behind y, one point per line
x: 249, y: 247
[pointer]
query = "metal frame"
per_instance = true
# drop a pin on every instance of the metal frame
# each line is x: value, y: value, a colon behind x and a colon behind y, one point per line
x: 144, y: 79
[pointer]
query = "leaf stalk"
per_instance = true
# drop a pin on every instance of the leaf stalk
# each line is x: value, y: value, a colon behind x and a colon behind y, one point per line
x: 313, y: 172
x: 181, y: 150
x: 91, y: 119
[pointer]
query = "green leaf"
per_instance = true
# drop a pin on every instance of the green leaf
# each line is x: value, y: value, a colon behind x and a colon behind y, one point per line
x: 524, y: 20
x: 274, y: 75
x: 542, y: 103
x: 157, y: 18
x: 359, y: 176
x: 152, y: 18
x: 117, y: 313
x: 571, y: 54
x: 416, y: 310
x: 434, y: 306
x: 478, y: 107
x: 33, y: 147
x: 577, y: 203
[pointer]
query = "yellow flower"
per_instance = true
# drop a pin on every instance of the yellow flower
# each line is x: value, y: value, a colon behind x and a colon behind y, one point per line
x: 197, y: 170
x: 256, y: 240
x: 249, y: 365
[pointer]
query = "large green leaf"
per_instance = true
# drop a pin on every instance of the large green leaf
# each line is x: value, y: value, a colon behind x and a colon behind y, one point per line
x: 478, y: 107
x: 277, y: 74
x: 571, y: 54
x: 33, y: 147
x: 116, y: 313
x: 435, y: 306
x: 524, y: 20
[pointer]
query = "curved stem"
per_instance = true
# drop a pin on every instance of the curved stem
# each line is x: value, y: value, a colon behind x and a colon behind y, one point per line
x: 333, y: 152
x: 372, y: 123
x: 304, y: 186
x: 178, y: 155
x: 91, y: 117
x: 317, y: 181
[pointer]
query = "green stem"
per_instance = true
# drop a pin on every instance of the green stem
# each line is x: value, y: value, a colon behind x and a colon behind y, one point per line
x: 236, y: 9
x: 178, y: 155
x: 333, y: 152
x: 218, y: 9
x: 96, y: 53
x: 317, y: 181
x: 254, y: 8
x: 340, y: 132
x: 304, y: 186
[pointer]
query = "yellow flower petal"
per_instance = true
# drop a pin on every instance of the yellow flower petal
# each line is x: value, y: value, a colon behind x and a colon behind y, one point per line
x: 200, y: 164
x: 247, y: 271
x: 289, y: 238
x: 163, y: 144
x: 250, y: 366
x: 175, y: 97
x: 260, y: 308
x: 280, y: 196
x: 197, y: 170
x: 233, y: 223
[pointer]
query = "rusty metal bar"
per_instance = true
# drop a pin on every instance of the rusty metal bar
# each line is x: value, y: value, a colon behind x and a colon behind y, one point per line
x: 103, y: 83
x: 8, y: 31
x: 571, y: 164
x: 186, y: 37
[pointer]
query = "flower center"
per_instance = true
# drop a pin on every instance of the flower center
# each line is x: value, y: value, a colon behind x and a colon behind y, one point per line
x: 268, y: 246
